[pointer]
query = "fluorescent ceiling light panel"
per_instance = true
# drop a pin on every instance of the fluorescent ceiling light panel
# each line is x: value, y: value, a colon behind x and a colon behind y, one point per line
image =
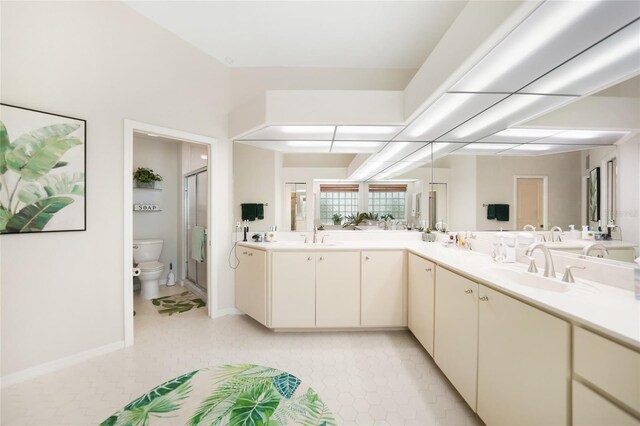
x: 554, y: 33
x: 369, y: 169
x: 607, y: 62
x: 395, y: 151
x: 532, y: 147
x: 398, y: 168
x: 485, y: 147
x: 520, y: 135
x: 512, y: 110
x: 376, y: 133
x: 543, y: 149
x: 356, y: 147
x: 447, y: 112
x: 292, y: 133
x: 300, y: 147
x: 591, y: 137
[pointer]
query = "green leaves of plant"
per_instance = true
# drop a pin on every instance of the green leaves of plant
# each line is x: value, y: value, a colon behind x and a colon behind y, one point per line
x: 5, y: 146
x: 52, y: 185
x: 34, y: 217
x: 5, y: 215
x: 254, y: 407
x: 286, y: 384
x: 35, y: 153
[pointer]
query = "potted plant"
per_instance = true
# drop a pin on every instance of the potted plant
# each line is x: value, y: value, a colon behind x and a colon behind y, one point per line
x: 387, y: 218
x: 337, y: 219
x: 428, y: 236
x: 146, y: 178
x: 354, y: 219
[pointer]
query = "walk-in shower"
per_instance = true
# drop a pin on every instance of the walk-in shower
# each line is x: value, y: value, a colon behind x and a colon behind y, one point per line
x: 195, y: 199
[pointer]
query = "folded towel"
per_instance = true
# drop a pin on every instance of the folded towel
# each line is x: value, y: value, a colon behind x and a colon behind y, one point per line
x: 249, y: 211
x: 198, y: 243
x: 502, y: 212
x: 260, y: 211
x: 491, y: 211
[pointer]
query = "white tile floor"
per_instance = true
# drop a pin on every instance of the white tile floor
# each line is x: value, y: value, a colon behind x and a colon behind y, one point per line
x: 367, y: 378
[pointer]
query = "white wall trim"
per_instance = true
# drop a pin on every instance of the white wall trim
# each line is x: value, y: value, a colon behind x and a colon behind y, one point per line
x: 59, y: 364
x: 130, y: 126
x: 545, y: 198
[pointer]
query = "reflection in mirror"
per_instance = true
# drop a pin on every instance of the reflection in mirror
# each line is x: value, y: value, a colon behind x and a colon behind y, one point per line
x: 297, y: 194
x: 438, y: 206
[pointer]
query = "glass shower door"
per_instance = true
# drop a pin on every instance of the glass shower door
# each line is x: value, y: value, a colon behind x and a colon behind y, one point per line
x: 196, y: 187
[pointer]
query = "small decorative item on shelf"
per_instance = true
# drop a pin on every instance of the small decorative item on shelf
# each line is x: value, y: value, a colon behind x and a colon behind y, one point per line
x: 337, y: 219
x: 146, y: 208
x: 146, y: 178
x: 428, y: 236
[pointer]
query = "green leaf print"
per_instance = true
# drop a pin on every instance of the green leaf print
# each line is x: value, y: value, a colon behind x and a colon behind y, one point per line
x: 161, y: 390
x: 5, y: 147
x: 35, y: 217
x: 286, y: 384
x: 254, y: 407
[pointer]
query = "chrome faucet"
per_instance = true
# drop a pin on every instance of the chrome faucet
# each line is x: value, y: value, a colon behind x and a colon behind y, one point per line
x: 529, y: 227
x: 306, y: 240
x: 549, y: 270
x: 595, y: 246
x: 323, y: 237
x: 315, y: 234
x: 553, y: 234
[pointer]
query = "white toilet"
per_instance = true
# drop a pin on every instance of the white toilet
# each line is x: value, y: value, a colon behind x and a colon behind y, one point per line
x: 146, y: 254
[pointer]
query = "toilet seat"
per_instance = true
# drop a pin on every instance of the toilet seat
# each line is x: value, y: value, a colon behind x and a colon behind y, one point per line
x: 150, y: 266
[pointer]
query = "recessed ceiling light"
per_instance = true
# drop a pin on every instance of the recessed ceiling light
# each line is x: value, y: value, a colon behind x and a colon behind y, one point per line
x: 587, y: 134
x: 367, y: 130
x: 486, y: 147
x: 367, y: 170
x: 390, y: 150
x: 307, y: 144
x: 532, y: 147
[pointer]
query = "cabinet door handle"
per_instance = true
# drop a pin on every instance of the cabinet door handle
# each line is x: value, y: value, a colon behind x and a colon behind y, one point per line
x: 468, y: 291
x: 484, y: 298
x: 250, y: 254
x: 244, y: 252
x: 428, y: 269
x: 366, y: 258
x: 308, y: 258
x: 322, y: 258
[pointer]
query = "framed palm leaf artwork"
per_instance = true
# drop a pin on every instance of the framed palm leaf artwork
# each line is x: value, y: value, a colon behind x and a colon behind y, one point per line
x: 42, y: 171
x: 594, y: 195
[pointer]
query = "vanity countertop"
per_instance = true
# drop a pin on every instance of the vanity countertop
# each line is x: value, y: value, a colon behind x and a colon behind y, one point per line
x: 610, y: 310
x: 580, y: 244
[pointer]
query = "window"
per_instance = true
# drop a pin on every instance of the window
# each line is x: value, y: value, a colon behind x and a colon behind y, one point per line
x: 388, y: 199
x: 337, y: 199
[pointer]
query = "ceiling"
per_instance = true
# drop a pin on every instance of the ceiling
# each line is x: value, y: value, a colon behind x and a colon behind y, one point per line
x: 327, y: 34
x: 561, y: 52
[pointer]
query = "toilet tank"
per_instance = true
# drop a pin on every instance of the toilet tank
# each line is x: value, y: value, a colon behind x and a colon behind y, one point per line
x: 147, y: 250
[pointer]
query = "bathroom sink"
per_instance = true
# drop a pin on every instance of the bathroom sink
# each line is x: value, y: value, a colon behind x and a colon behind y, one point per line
x: 540, y: 282
x: 302, y: 244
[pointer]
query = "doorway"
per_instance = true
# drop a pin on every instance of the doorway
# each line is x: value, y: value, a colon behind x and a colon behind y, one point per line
x: 196, y: 184
x: 131, y: 127
x: 531, y: 201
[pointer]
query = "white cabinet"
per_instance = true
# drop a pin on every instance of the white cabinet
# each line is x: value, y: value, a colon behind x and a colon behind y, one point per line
x: 523, y: 363
x: 421, y: 299
x: 338, y: 289
x: 456, y: 331
x: 591, y: 409
x: 609, y: 366
x: 251, y: 284
x: 383, y: 289
x: 293, y: 298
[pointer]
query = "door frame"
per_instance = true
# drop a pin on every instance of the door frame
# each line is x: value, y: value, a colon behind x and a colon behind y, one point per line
x: 131, y: 126
x: 545, y: 199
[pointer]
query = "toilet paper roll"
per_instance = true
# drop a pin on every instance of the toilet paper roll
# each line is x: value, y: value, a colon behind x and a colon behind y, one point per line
x: 136, y: 272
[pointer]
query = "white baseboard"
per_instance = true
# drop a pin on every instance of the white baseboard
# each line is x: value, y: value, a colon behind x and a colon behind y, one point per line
x: 227, y: 311
x: 59, y: 364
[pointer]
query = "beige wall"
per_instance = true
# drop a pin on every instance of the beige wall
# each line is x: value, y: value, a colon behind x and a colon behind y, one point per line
x: 495, y: 184
x: 62, y: 293
x: 254, y: 181
x: 247, y: 83
x: 163, y: 158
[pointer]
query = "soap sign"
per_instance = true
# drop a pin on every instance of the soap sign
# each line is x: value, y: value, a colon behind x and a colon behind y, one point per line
x: 146, y: 207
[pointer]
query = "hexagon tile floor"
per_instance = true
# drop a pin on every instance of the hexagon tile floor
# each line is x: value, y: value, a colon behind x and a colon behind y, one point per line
x: 366, y: 378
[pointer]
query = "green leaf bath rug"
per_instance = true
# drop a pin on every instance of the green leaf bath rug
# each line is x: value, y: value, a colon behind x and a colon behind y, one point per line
x: 177, y: 303
x: 235, y: 395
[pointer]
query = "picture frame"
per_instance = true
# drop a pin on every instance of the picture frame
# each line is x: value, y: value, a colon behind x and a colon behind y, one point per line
x: 42, y: 171
x: 594, y: 194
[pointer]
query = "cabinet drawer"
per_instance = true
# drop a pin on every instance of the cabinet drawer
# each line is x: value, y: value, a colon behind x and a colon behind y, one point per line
x: 589, y: 408
x: 611, y: 367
